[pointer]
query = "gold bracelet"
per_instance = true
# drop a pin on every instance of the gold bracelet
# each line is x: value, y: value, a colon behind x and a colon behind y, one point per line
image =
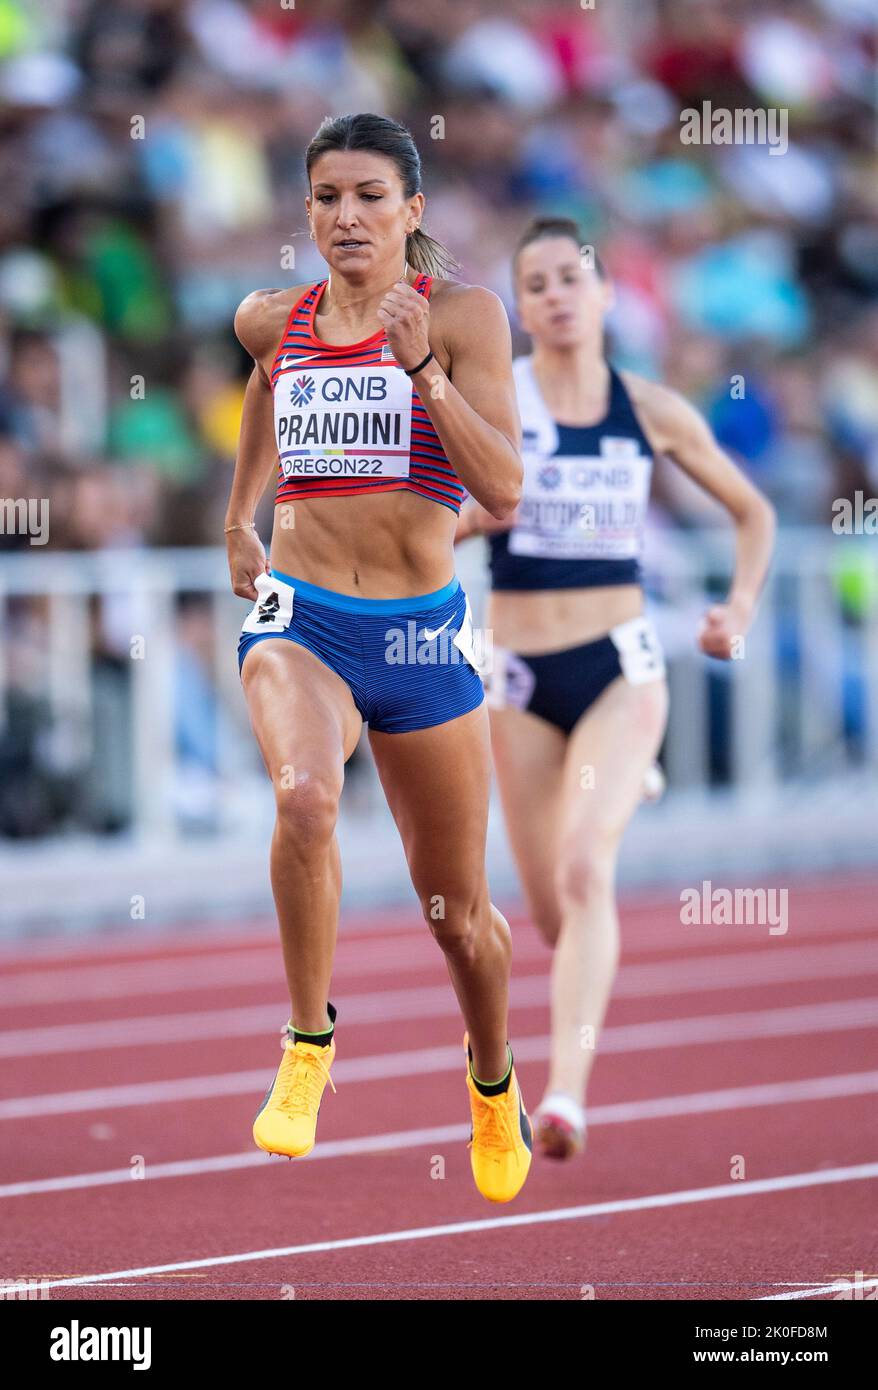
x: 240, y: 526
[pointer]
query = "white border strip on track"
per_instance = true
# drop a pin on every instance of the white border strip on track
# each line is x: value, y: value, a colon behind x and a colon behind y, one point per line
x: 799, y: 961
x: 433, y: 1001
x: 815, y: 1088
x: 784, y: 1183
x: 842, y: 1287
x: 381, y: 1066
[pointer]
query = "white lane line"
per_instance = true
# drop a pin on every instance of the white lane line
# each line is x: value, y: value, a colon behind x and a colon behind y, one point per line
x: 774, y: 1093
x: 191, y: 976
x: 651, y: 924
x: 842, y: 1286
x: 188, y: 937
x: 840, y: 1016
x: 784, y: 1183
x: 225, y: 1163
x: 378, y: 1006
x: 133, y: 978
x: 717, y: 971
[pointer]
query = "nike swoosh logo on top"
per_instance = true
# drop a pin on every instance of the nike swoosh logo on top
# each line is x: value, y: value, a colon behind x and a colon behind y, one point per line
x: 286, y: 362
x: 430, y: 635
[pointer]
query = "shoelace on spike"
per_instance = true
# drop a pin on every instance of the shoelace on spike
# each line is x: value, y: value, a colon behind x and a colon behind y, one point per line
x: 308, y: 1073
x: 492, y: 1125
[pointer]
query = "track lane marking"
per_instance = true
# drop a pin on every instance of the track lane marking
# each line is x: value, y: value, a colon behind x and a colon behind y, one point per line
x: 815, y: 1290
x: 817, y: 900
x: 721, y: 970
x: 616, y: 1039
x: 429, y: 1001
x: 784, y: 1183
x: 815, y: 1088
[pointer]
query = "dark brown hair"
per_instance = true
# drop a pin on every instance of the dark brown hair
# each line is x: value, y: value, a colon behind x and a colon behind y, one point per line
x: 381, y: 135
x: 540, y: 228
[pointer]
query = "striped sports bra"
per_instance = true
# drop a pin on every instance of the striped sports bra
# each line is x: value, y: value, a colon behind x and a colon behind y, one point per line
x: 348, y: 420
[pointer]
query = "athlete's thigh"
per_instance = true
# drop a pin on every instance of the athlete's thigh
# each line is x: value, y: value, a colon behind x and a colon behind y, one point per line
x: 529, y: 763
x: 437, y: 783
x: 608, y: 753
x: 303, y: 714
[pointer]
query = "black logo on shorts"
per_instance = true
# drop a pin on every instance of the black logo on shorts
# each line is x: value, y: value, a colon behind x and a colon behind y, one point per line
x: 268, y: 609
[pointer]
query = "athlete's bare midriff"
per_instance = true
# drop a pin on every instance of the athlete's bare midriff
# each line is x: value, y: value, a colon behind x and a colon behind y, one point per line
x: 379, y: 545
x: 392, y: 544
x: 546, y: 620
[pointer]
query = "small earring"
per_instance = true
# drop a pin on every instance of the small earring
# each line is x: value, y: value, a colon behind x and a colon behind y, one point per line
x: 311, y: 232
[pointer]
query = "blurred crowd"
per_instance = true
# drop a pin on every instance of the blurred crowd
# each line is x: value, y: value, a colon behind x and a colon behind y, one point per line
x: 151, y: 154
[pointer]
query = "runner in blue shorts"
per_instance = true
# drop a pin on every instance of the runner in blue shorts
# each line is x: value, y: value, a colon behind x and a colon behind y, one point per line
x: 409, y: 663
x: 379, y: 397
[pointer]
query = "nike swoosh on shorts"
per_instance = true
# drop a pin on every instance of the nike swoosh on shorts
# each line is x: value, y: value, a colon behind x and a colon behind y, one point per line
x: 430, y: 635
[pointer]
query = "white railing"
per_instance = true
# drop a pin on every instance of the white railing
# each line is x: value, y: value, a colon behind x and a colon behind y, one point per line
x: 800, y: 706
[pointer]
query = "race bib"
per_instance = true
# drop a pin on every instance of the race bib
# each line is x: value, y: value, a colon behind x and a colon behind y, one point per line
x: 584, y: 507
x: 640, y: 652
x: 344, y: 422
x: 273, y: 609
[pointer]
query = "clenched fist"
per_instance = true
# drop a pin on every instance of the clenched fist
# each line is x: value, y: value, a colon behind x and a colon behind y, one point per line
x: 246, y: 555
x: 405, y: 315
x: 724, y: 625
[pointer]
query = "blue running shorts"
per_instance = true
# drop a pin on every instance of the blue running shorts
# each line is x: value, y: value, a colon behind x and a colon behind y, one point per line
x: 409, y: 663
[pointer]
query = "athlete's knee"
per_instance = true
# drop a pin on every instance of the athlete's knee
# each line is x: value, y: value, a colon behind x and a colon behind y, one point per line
x: 586, y: 868
x: 458, y: 921
x: 307, y: 806
x: 547, y: 917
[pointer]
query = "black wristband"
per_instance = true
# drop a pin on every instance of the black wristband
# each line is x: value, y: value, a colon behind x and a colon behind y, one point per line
x: 420, y: 367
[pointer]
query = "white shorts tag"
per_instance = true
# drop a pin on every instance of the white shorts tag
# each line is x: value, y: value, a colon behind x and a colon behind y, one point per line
x: 511, y: 682
x: 273, y: 609
x: 463, y: 639
x: 640, y: 652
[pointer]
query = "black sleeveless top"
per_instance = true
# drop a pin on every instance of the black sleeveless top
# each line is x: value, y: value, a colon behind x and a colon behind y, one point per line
x: 581, y: 517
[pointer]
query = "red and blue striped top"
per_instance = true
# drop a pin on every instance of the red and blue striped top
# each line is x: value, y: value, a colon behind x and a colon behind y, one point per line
x: 347, y: 418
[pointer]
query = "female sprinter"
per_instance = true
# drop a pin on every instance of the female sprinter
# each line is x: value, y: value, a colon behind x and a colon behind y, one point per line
x: 382, y: 393
x: 577, y: 693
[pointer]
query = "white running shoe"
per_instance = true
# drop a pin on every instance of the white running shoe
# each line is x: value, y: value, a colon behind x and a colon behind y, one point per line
x: 559, y: 1126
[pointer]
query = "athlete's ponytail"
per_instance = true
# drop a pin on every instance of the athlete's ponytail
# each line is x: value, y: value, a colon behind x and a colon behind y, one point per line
x: 381, y: 135
x: 424, y: 253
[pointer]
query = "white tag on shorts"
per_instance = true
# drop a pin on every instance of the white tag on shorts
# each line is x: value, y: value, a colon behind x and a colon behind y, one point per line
x: 511, y: 682
x: 640, y: 652
x: 463, y: 639
x: 273, y: 609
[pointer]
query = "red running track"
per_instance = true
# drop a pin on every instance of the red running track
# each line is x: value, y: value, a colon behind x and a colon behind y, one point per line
x: 733, y: 1144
